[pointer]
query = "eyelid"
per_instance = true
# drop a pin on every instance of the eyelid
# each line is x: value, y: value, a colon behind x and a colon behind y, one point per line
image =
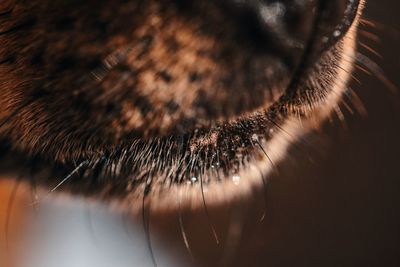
x: 107, y: 165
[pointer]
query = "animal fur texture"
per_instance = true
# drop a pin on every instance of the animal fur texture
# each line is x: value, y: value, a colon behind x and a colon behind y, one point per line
x: 121, y: 100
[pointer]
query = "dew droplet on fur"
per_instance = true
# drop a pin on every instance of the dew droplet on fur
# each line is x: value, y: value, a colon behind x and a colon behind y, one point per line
x: 236, y: 179
x: 254, y: 137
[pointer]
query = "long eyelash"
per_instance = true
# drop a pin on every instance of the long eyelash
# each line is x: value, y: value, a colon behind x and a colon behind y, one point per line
x: 146, y: 224
x: 356, y: 101
x: 66, y: 178
x: 377, y: 71
x: 265, y: 153
x: 182, y: 228
x: 63, y: 181
x: 153, y: 158
x: 370, y: 49
x: 264, y: 182
x: 368, y: 63
x: 214, y: 232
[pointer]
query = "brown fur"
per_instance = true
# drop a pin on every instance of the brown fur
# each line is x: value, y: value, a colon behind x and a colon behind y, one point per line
x: 162, y: 90
x: 155, y: 72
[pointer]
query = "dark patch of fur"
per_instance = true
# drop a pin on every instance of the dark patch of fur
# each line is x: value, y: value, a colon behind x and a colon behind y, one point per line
x: 150, y: 86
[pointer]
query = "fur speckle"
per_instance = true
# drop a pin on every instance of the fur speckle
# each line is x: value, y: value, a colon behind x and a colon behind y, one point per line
x: 143, y: 103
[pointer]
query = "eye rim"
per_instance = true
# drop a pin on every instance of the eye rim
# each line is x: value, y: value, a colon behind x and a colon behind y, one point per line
x: 72, y: 163
x: 314, y: 49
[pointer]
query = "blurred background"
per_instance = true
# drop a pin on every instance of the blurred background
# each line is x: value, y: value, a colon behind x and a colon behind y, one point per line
x: 335, y: 202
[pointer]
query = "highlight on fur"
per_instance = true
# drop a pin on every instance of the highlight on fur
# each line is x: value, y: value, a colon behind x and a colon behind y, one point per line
x: 167, y: 103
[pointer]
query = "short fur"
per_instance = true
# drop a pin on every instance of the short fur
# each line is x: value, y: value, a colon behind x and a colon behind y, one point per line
x: 128, y: 97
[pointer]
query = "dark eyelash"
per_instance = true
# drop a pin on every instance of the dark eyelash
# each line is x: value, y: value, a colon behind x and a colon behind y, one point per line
x: 138, y: 166
x: 149, y: 159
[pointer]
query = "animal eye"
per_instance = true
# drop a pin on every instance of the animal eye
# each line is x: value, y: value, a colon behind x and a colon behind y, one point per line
x: 139, y: 101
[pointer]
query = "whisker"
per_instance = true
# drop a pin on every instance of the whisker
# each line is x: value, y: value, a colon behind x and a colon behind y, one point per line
x: 265, y: 191
x: 362, y: 69
x: 69, y: 175
x: 347, y: 106
x: 255, y: 139
x: 302, y: 140
x: 368, y: 22
x: 66, y: 178
x: 340, y: 116
x: 377, y: 25
x: 377, y: 71
x: 370, y: 49
x: 357, y: 102
x: 146, y: 223
x: 370, y: 36
x: 182, y: 228
x: 214, y: 232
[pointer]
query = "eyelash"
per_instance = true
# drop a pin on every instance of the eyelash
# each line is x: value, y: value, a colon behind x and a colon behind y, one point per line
x: 161, y: 163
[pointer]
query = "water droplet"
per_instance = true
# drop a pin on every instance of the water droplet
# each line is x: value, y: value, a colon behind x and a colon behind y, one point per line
x: 193, y: 179
x: 272, y: 13
x: 236, y: 179
x: 336, y: 33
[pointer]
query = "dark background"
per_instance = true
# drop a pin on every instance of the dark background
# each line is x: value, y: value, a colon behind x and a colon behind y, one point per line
x: 337, y: 201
